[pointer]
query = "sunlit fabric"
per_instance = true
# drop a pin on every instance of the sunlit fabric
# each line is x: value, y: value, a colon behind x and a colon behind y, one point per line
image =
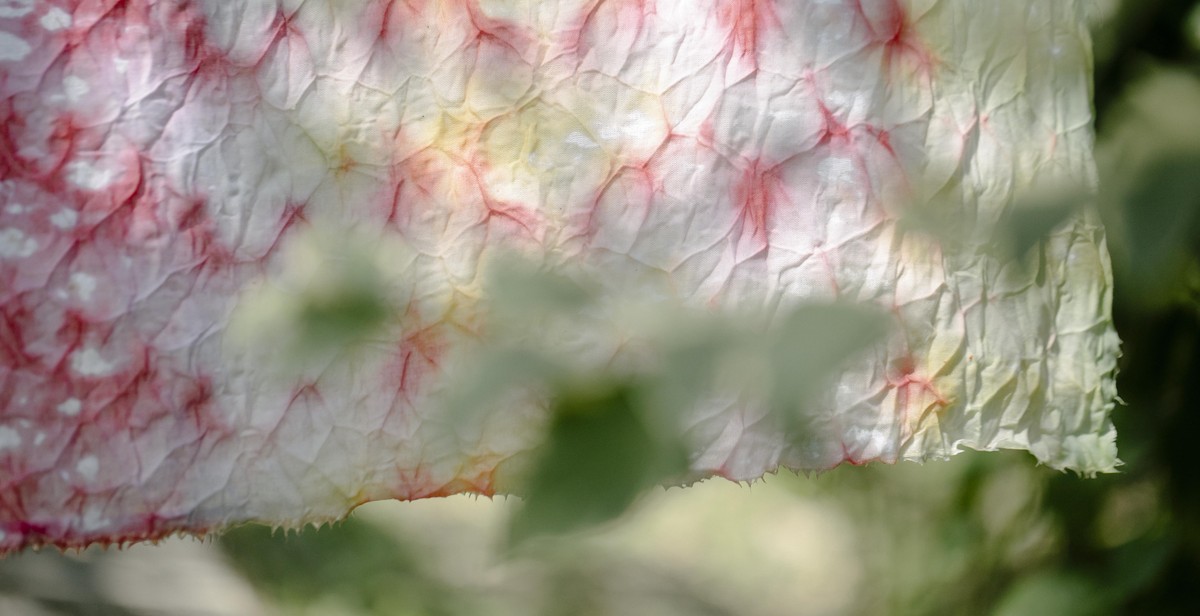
x: 180, y: 176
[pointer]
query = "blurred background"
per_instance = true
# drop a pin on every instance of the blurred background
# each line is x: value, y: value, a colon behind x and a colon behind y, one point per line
x: 983, y: 533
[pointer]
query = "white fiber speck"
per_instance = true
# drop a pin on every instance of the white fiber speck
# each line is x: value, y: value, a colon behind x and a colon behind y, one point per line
x: 87, y: 467
x: 75, y: 87
x: 13, y: 48
x: 70, y: 407
x: 88, y: 362
x: 84, y: 175
x: 14, y: 244
x: 15, y: 8
x: 579, y: 139
x: 55, y: 19
x: 83, y: 285
x: 9, y: 438
x: 64, y: 218
x: 93, y: 520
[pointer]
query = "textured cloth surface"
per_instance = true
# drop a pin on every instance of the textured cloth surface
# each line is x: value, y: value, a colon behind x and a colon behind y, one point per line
x: 175, y: 174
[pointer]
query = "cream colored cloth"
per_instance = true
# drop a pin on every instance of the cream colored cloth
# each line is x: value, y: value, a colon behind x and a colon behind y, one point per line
x: 180, y: 177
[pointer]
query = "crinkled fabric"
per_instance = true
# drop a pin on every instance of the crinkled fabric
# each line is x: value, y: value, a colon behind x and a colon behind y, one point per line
x: 161, y: 159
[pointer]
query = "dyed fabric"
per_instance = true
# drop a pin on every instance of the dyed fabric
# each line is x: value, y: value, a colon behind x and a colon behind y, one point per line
x: 179, y: 176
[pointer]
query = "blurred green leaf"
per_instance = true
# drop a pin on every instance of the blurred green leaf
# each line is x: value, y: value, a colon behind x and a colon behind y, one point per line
x: 690, y: 351
x: 1150, y: 186
x: 345, y: 315
x: 1161, y: 214
x: 1032, y: 220
x: 1192, y: 28
x: 495, y: 371
x: 1036, y: 213
x: 1054, y: 592
x: 352, y: 564
x: 598, y: 456
x: 1138, y: 563
x: 811, y: 345
x: 939, y: 217
x: 524, y: 293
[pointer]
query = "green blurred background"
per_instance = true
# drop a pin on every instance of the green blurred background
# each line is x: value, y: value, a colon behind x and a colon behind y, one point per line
x: 984, y: 533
